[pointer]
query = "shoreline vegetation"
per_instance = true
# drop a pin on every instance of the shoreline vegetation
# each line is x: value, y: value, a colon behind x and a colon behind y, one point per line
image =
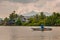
x: 15, y: 19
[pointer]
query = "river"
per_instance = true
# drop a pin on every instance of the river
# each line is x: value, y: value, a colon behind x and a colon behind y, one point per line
x: 26, y: 33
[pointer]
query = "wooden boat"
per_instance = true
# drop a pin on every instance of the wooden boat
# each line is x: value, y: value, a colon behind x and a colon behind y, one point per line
x: 39, y: 29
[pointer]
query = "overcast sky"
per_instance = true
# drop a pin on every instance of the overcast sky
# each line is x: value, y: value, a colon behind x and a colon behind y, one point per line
x: 25, y: 6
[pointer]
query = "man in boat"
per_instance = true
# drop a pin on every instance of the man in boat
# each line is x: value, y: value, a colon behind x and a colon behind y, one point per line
x: 42, y: 27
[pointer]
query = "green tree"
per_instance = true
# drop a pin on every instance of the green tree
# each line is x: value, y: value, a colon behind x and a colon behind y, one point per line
x: 42, y: 16
x: 18, y: 22
x: 13, y: 15
x: 58, y: 22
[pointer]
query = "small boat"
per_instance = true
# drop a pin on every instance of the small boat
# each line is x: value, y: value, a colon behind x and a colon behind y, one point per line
x: 39, y: 29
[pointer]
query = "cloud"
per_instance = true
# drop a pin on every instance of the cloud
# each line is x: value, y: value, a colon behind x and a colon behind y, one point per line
x: 7, y: 8
x: 41, y: 5
x: 26, y: 6
x: 21, y: 1
x: 58, y: 4
x: 24, y: 1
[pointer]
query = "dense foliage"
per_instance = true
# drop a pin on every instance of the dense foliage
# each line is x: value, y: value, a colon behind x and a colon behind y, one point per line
x: 36, y: 20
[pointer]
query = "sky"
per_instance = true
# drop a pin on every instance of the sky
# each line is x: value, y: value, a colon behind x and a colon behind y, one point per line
x: 26, y: 6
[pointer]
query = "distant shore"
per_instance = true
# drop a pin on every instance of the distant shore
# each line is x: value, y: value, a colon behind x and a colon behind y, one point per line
x: 35, y: 20
x: 29, y: 26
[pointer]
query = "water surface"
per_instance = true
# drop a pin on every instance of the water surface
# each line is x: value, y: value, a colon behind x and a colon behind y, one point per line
x: 26, y: 33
